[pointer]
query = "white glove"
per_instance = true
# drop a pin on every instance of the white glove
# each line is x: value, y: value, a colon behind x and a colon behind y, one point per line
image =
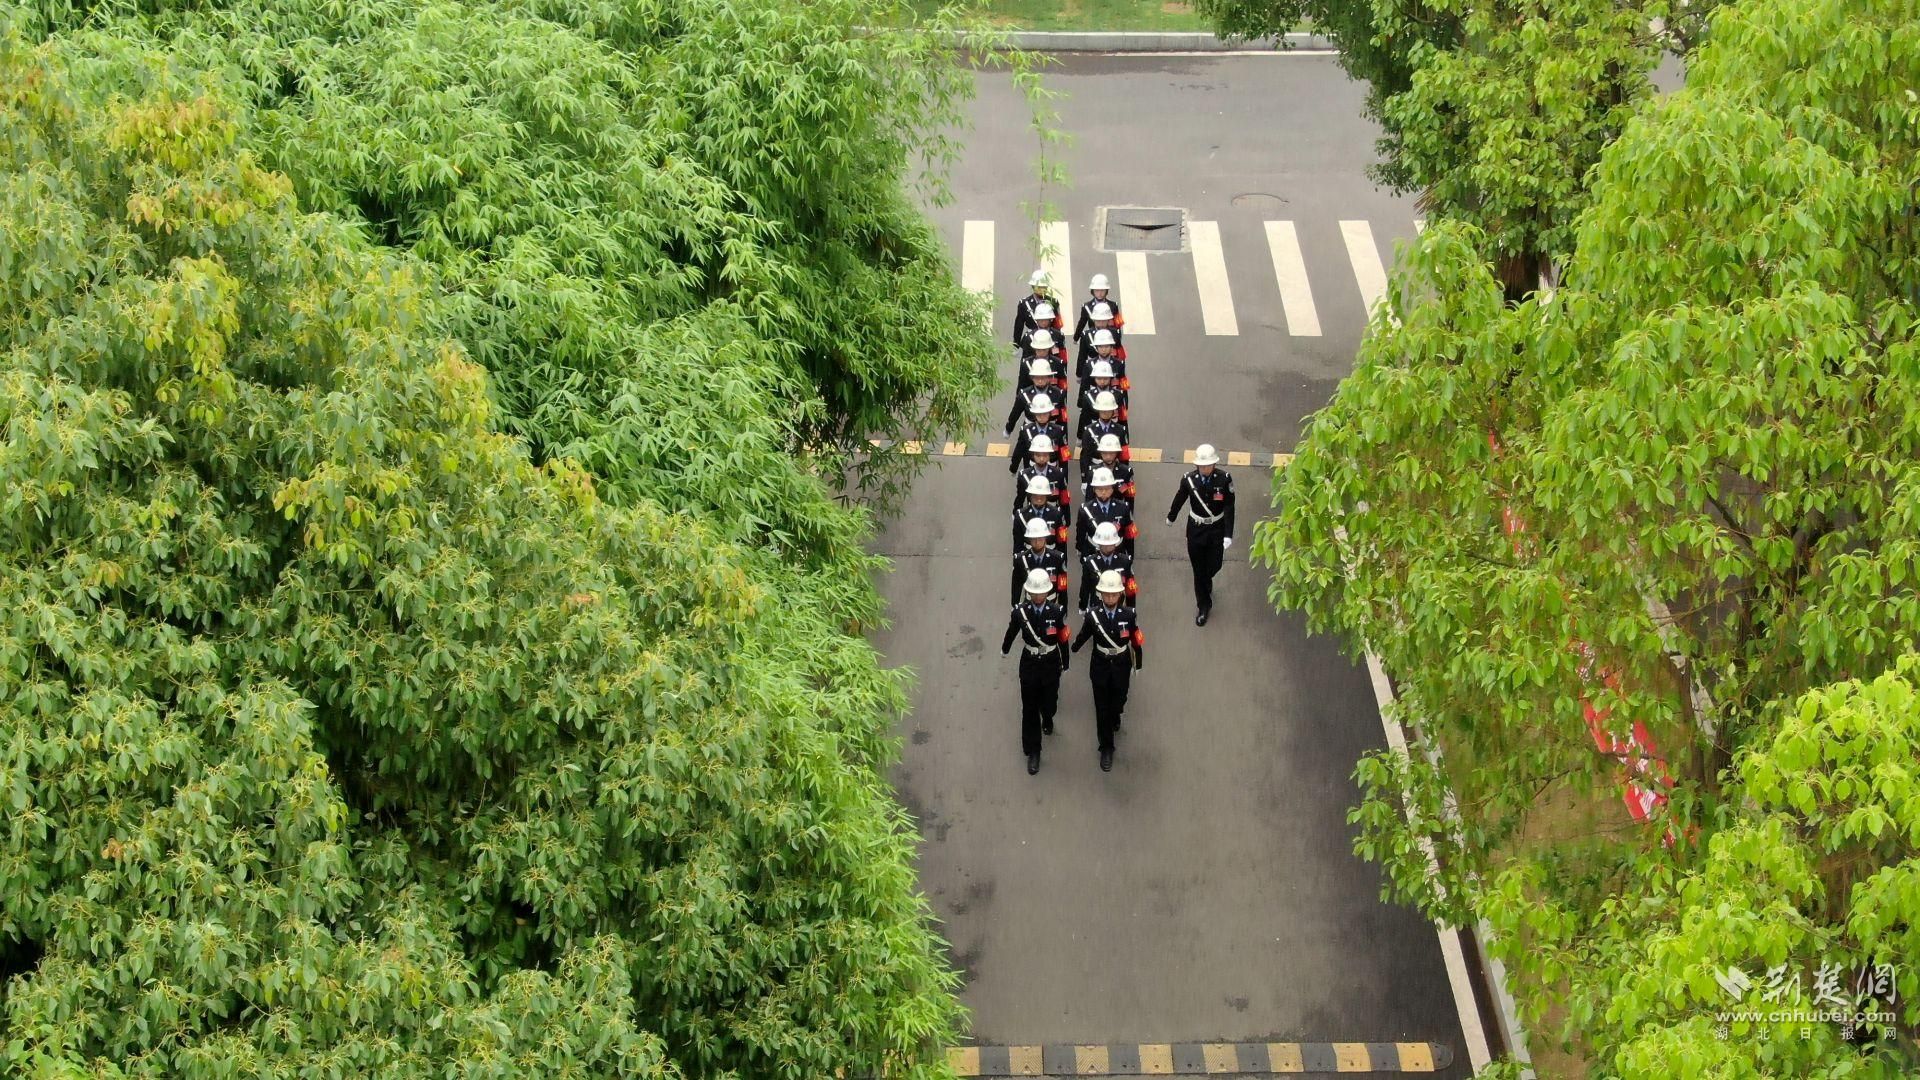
x: 1226, y: 544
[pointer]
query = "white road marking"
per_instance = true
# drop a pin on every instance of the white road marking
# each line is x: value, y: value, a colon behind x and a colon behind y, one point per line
x: 1210, y: 274
x: 1056, y: 257
x: 976, y: 262
x: 1367, y: 271
x: 1136, y: 295
x: 1290, y: 270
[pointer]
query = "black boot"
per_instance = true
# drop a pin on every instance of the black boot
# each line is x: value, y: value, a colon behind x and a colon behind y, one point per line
x: 1046, y: 726
x: 1033, y: 764
x: 1106, y: 761
x: 1200, y: 619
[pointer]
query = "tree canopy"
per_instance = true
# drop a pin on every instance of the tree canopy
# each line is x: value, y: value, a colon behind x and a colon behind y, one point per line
x: 1716, y: 411
x: 430, y: 636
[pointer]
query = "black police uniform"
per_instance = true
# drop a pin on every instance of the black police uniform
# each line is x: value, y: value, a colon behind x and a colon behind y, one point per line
x: 1052, y: 514
x: 1056, y: 359
x: 1054, y: 472
x: 1122, y: 472
x: 1023, y: 404
x: 1052, y: 559
x: 1089, y: 352
x: 1090, y: 438
x: 1096, y: 562
x: 1088, y: 414
x: 1052, y: 429
x: 1118, y: 651
x: 1094, y: 512
x: 1208, y: 501
x: 1023, y: 325
x: 1042, y: 631
x: 1083, y: 327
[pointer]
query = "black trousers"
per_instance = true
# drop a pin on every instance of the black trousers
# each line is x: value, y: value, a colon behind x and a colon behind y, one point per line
x: 1111, y: 675
x: 1039, y: 696
x: 1205, y: 550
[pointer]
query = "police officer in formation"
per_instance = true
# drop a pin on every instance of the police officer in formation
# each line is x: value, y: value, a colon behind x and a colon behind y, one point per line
x: 1098, y: 312
x: 1040, y: 380
x: 1042, y: 462
x: 1024, y: 323
x: 1040, y: 625
x: 1118, y: 651
x: 1206, y: 494
x: 1043, y: 551
x: 1039, y: 504
x: 1106, y: 557
x: 1103, y: 506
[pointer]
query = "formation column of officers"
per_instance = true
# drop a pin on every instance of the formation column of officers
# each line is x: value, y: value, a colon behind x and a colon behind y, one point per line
x: 1100, y: 523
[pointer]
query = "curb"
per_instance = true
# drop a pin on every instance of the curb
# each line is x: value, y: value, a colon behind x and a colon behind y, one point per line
x: 1186, y: 1059
x: 1116, y: 41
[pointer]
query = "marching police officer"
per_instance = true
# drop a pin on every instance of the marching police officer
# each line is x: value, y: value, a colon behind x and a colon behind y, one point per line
x: 1023, y: 321
x: 1041, y: 462
x: 1103, y: 507
x: 1105, y: 345
x: 1107, y: 556
x: 1041, y: 626
x: 1040, y: 421
x: 1040, y: 505
x: 1111, y: 454
x: 1038, y: 379
x: 1098, y: 311
x: 1118, y: 651
x: 1091, y: 389
x: 1206, y: 494
x: 1106, y: 421
x: 1040, y: 553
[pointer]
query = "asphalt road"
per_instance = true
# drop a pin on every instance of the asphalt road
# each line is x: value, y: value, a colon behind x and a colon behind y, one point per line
x: 1206, y: 889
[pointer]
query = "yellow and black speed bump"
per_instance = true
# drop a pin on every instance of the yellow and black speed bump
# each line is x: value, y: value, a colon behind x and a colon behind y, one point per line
x: 1141, y: 455
x: 1199, y: 1059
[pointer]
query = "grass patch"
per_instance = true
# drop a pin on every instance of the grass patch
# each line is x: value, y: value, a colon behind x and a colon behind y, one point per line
x: 1162, y: 16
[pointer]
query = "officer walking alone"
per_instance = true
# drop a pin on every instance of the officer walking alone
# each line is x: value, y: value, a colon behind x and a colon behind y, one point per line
x: 1206, y: 494
x: 1118, y: 651
x: 1041, y: 626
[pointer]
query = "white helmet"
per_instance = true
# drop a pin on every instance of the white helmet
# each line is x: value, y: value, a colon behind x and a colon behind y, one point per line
x: 1039, y: 368
x: 1104, y: 401
x: 1101, y: 310
x: 1039, y: 485
x: 1042, y: 403
x: 1039, y: 581
x: 1102, y: 369
x: 1108, y: 444
x: 1037, y: 529
x: 1102, y: 337
x: 1038, y: 279
x: 1205, y: 454
x: 1103, y: 478
x: 1111, y: 582
x: 1042, y: 340
x: 1106, y: 534
x: 1042, y: 312
x: 1041, y: 444
x: 1099, y: 282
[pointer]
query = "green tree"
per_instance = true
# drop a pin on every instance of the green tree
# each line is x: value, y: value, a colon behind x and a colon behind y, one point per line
x: 1716, y: 410
x: 1494, y: 113
x: 1816, y: 883
x: 341, y: 735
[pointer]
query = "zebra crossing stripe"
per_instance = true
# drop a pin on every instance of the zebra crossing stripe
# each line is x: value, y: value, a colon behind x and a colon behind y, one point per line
x: 1056, y: 257
x: 1365, y: 257
x: 976, y: 262
x: 1290, y: 271
x: 1136, y: 295
x: 1210, y: 274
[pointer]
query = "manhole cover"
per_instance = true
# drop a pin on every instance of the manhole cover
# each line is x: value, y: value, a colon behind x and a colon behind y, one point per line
x: 1259, y: 200
x: 1142, y: 228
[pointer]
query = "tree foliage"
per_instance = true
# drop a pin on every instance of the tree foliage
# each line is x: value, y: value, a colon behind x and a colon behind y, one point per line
x: 1718, y: 410
x: 366, y: 709
x: 1495, y: 112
